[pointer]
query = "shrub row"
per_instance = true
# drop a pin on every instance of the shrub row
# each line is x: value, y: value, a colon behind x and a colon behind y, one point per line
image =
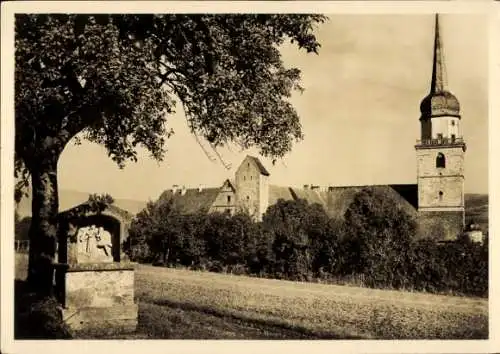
x: 374, y: 244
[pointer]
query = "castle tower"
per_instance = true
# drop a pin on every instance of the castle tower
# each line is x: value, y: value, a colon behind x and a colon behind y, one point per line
x: 252, y: 187
x: 440, y: 156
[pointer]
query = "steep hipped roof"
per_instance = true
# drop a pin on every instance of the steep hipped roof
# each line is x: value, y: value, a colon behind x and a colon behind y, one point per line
x: 312, y: 196
x: 408, y: 191
x: 193, y: 200
x: 259, y: 164
x: 338, y: 199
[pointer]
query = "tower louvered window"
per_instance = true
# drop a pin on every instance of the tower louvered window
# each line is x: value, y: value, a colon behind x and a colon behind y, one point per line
x: 440, y: 161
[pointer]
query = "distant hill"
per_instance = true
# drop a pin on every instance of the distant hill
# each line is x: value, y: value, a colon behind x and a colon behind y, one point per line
x: 476, y: 209
x: 71, y: 198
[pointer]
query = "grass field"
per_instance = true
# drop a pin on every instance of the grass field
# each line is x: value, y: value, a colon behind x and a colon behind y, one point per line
x: 175, y: 304
x: 209, y: 305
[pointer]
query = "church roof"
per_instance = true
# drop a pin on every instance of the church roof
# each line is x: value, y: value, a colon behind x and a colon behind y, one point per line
x: 440, y: 104
x: 336, y: 200
x: 279, y: 192
x: 439, y: 101
x: 312, y: 196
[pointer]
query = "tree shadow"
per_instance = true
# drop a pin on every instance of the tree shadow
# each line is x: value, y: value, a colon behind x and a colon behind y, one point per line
x: 285, y: 330
x: 37, y: 317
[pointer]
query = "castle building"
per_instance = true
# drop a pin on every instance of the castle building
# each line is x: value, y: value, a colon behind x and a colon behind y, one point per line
x: 437, y: 200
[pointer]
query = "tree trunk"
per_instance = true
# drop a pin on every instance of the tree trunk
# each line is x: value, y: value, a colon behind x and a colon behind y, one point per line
x: 44, y: 223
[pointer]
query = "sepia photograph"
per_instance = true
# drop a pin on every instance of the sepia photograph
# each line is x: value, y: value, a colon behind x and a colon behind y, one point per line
x: 247, y: 175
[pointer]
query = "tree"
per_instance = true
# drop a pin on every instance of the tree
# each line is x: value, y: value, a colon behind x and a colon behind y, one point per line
x: 113, y: 79
x: 227, y: 237
x: 298, y: 229
x: 380, y: 235
x: 327, y: 248
x: 190, y: 245
x: 260, y: 255
x: 148, y: 233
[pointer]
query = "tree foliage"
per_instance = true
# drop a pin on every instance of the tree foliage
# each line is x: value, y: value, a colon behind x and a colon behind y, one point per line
x: 298, y: 228
x: 227, y: 237
x: 149, y: 230
x: 114, y: 79
x: 380, y: 233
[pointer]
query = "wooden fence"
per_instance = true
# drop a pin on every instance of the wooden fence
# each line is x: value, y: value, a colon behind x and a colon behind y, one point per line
x: 22, y: 246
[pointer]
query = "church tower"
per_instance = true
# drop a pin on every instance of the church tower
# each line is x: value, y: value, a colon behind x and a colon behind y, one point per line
x: 440, y: 156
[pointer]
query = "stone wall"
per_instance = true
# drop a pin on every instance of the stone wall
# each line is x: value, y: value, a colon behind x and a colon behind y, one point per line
x: 264, y: 196
x: 440, y: 225
x: 441, y: 191
x: 427, y: 161
x: 440, y: 187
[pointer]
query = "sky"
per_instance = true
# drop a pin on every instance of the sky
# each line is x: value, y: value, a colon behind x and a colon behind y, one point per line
x: 359, y: 113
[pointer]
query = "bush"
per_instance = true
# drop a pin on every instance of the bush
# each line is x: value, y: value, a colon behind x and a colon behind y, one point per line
x: 459, y: 267
x: 216, y: 267
x: 140, y: 253
x: 158, y: 263
x: 238, y: 269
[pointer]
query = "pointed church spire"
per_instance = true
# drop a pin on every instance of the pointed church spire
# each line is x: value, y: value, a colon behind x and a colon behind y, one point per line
x: 439, y: 102
x: 438, y: 83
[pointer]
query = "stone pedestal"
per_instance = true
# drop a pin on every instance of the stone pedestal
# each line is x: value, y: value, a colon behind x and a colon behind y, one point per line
x: 98, y: 297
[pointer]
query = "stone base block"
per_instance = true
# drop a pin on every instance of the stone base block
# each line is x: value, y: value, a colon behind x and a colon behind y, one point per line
x: 97, y: 298
x: 102, y: 320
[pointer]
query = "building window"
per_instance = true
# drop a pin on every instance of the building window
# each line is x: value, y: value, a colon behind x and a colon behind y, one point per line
x: 228, y: 199
x: 452, y: 138
x: 440, y: 161
x: 248, y: 197
x: 228, y: 211
x: 244, y: 178
x: 251, y: 177
x: 453, y: 123
x: 440, y: 195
